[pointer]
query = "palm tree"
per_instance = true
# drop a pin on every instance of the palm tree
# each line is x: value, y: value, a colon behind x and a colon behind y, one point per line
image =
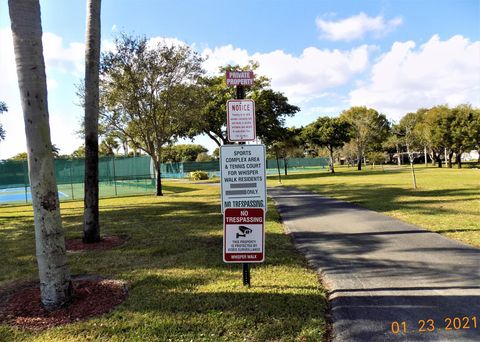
x: 91, y: 227
x: 55, y: 283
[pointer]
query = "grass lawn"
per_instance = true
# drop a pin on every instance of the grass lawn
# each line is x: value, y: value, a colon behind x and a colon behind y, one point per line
x: 179, y: 287
x: 447, y: 200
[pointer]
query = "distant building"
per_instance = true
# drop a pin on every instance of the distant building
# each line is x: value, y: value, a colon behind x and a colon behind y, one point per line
x: 470, y: 156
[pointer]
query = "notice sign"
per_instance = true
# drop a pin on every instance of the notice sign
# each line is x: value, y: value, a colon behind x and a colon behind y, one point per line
x: 241, y: 120
x: 243, y: 235
x: 243, y: 176
x: 239, y: 78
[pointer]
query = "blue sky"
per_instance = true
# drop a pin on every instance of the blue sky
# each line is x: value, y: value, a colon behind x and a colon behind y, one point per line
x: 395, y: 56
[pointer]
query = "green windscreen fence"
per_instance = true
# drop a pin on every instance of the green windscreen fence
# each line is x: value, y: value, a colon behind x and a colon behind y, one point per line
x: 118, y: 176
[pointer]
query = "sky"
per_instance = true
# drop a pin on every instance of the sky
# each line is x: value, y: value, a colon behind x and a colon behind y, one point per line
x: 325, y: 56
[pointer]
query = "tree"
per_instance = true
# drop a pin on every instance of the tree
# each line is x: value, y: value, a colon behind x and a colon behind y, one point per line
x: 377, y: 157
x: 368, y: 128
x: 91, y: 224
x: 271, y: 110
x: 271, y: 107
x: 411, y: 138
x: 435, y: 130
x: 393, y: 144
x: 3, y: 108
x: 289, y: 145
x: 20, y: 156
x: 108, y: 146
x: 182, y: 153
x: 150, y: 93
x: 331, y: 133
x: 465, y: 130
x: 203, y: 157
x: 79, y: 153
x: 54, y: 274
x: 216, y: 153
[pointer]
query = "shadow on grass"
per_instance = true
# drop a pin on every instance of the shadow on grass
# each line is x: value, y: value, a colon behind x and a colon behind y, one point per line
x: 170, y: 241
x: 383, y: 198
x: 256, y: 316
x: 343, y: 174
x: 162, y: 235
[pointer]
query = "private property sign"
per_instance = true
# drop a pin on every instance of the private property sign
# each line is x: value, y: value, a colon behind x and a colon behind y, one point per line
x: 239, y: 78
x: 241, y: 120
x: 243, y: 175
x: 243, y: 235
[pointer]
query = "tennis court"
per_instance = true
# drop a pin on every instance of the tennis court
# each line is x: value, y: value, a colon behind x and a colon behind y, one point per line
x: 119, y: 176
x: 13, y: 195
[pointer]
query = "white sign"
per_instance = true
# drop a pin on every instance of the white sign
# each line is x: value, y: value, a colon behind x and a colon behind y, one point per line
x: 241, y: 120
x: 243, y: 174
x: 243, y: 235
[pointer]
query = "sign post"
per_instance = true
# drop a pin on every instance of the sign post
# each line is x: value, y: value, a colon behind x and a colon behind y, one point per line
x: 243, y: 175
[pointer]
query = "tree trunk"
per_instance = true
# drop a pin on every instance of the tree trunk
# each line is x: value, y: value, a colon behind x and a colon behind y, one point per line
x: 425, y: 155
x: 159, y: 178
x: 332, y: 170
x: 91, y: 227
x: 414, y: 179
x: 458, y: 158
x: 285, y: 166
x: 359, y: 160
x: 399, y: 159
x: 278, y: 166
x: 54, y: 274
x: 450, y: 155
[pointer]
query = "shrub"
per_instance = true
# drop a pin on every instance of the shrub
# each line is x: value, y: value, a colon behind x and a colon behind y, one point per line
x: 198, y: 175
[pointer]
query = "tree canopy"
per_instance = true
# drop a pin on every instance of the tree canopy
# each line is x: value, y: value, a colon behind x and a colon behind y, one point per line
x: 328, y: 132
x: 150, y: 94
x: 271, y: 107
x: 3, y: 108
x: 368, y: 129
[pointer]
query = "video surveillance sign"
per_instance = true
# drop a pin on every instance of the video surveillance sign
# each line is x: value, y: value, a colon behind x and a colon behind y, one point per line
x: 243, y: 235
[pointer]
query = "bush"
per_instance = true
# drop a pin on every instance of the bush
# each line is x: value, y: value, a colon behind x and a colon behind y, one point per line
x: 198, y: 175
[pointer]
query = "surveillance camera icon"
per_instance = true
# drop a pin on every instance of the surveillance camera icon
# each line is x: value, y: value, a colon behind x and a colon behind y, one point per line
x: 244, y: 231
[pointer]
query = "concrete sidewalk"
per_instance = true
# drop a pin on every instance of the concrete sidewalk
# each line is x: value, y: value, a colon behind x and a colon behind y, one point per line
x: 379, y: 270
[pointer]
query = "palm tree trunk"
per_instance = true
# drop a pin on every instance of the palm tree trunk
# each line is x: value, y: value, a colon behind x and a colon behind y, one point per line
x: 91, y: 227
x: 54, y: 274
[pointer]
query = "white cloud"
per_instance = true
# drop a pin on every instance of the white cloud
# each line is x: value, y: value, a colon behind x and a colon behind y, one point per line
x: 221, y: 56
x: 314, y: 71
x: 66, y: 59
x: 355, y: 27
x: 438, y: 72
x: 299, y: 77
x: 152, y: 42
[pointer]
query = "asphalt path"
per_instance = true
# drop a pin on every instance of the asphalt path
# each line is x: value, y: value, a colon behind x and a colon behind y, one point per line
x: 379, y: 271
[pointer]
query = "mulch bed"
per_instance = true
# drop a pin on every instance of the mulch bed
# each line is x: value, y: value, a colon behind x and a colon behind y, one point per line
x: 107, y: 242
x: 93, y: 296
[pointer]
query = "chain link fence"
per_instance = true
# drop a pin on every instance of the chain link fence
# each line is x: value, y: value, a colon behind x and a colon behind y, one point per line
x: 119, y: 176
